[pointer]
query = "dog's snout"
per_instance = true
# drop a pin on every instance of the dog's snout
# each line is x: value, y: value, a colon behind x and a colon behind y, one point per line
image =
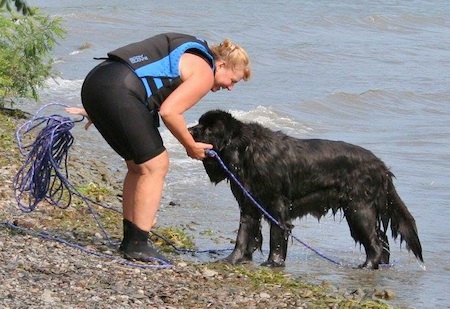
x: 194, y: 131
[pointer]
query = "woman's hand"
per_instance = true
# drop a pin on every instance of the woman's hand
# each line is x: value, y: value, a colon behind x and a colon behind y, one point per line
x: 197, y: 151
x: 80, y: 111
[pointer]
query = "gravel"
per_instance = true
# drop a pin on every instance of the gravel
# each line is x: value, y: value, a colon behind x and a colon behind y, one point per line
x: 38, y: 272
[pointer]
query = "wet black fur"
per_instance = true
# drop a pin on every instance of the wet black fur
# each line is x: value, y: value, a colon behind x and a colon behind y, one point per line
x: 293, y: 177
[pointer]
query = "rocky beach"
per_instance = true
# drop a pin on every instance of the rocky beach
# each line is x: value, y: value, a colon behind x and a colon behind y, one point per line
x: 86, y: 271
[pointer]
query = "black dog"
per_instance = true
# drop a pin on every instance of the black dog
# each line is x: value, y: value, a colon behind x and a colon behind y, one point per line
x: 293, y: 177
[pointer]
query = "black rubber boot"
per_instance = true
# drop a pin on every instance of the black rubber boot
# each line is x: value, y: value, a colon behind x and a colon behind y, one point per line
x: 137, y: 247
x: 126, y: 234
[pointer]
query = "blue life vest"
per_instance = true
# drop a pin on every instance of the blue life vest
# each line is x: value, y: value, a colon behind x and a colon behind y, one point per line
x: 156, y: 62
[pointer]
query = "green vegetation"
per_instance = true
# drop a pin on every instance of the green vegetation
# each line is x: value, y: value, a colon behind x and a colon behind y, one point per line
x: 7, y: 140
x: 323, y: 295
x: 21, y: 6
x: 175, y: 236
x: 26, y: 44
x: 94, y: 191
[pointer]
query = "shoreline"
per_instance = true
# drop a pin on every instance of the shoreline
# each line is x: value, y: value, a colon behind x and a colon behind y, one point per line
x: 40, y: 273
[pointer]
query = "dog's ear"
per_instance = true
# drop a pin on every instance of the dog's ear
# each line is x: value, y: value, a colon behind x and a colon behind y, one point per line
x: 221, y: 128
x: 235, y: 128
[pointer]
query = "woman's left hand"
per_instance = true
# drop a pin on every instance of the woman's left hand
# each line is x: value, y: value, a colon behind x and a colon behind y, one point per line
x: 198, y: 152
x: 82, y: 112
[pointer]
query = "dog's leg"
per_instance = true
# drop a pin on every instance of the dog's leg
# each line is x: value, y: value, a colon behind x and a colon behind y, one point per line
x: 362, y: 221
x: 385, y: 243
x: 249, y: 239
x: 278, y: 245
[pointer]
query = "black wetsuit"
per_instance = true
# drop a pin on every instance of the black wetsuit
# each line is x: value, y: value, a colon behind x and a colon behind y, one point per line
x: 123, y: 94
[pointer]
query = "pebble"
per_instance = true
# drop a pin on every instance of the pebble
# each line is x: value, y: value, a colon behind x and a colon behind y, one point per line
x: 385, y: 294
x: 209, y: 273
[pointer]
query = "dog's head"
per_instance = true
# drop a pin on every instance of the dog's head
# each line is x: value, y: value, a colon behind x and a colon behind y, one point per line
x: 217, y: 128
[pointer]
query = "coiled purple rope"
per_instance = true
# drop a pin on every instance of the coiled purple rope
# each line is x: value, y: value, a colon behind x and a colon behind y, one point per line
x: 40, y: 178
x: 44, y: 175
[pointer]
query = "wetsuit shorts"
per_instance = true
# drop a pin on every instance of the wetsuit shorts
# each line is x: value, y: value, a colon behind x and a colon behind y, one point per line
x: 114, y: 98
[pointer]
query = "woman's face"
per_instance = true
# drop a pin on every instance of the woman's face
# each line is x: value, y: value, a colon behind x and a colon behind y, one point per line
x: 225, y: 77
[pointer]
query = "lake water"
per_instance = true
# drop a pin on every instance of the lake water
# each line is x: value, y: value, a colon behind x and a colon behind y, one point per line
x: 373, y: 73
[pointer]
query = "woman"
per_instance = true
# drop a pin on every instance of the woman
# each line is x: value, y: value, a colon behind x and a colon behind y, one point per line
x: 166, y: 74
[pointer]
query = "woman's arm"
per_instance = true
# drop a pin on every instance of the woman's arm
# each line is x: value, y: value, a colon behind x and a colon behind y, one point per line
x: 198, y: 79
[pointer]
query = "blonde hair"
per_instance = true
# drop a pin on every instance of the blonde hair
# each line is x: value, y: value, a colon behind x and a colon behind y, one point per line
x: 233, y: 55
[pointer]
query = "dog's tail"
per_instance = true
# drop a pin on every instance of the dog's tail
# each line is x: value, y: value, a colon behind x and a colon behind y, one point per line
x: 402, y: 222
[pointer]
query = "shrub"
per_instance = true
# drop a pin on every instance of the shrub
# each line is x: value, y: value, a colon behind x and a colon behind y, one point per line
x: 26, y: 44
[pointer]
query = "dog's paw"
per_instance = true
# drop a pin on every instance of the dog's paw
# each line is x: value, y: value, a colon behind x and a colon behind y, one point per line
x: 368, y: 265
x: 273, y: 264
x: 235, y: 260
